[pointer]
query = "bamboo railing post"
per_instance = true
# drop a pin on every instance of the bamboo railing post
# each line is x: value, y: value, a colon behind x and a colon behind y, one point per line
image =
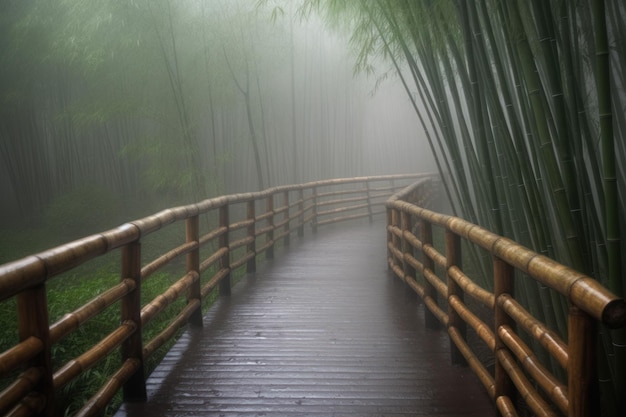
x: 269, y: 207
x: 286, y: 218
x: 32, y: 317
x: 301, y: 210
x: 581, y: 365
x: 503, y: 275
x: 132, y: 348
x: 314, y: 208
x: 454, y: 258
x: 395, y: 242
x: 406, y: 223
x: 224, y: 242
x: 251, y: 231
x: 370, y: 212
x: 192, y: 232
x: 389, y: 212
x: 430, y: 319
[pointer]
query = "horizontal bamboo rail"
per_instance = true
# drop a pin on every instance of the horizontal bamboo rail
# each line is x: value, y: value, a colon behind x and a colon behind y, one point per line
x: 242, y: 226
x: 518, y: 370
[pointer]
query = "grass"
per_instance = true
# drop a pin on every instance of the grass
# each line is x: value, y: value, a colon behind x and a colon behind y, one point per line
x: 73, y: 289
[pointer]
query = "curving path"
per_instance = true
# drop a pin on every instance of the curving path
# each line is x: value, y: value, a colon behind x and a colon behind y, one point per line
x: 322, y: 330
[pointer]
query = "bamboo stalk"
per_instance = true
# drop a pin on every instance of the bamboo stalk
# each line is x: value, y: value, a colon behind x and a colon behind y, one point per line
x: 285, y: 223
x: 32, y: 321
x: 245, y: 241
x: 300, y: 213
x: 161, y: 301
x: 427, y: 262
x: 341, y: 209
x: 243, y: 224
x: 33, y: 404
x: 166, y: 334
x: 282, y: 235
x: 75, y: 367
x: 454, y: 293
x: 471, y: 288
x: 243, y: 260
x: 436, y: 283
x: 25, y: 383
x: 264, y: 247
x: 264, y: 216
x: 132, y: 347
x: 481, y: 328
x: 406, y: 223
x: 537, y: 404
x: 166, y: 258
x: 344, y: 201
x: 251, y: 230
x: 341, y: 219
x: 214, y: 281
x: 506, y: 407
x: 96, y: 404
x: 263, y: 231
x: 503, y: 285
x: 537, y: 330
x: 192, y: 235
x: 20, y: 275
x: 388, y: 230
x: 212, y: 235
x: 72, y: 321
x: 269, y: 237
x: 216, y: 256
x: 223, y: 245
x: 472, y: 360
x: 556, y: 391
x: 434, y: 254
x: 581, y: 367
x: 24, y: 351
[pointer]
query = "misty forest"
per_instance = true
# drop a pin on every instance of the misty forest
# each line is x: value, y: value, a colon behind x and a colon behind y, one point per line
x: 115, y: 109
x: 124, y: 108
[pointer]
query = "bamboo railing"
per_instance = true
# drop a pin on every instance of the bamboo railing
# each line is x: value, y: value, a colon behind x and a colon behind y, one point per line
x: 518, y: 373
x: 241, y: 227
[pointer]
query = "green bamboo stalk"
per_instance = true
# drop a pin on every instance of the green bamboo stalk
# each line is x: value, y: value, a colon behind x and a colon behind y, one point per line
x: 613, y: 240
x: 478, y: 122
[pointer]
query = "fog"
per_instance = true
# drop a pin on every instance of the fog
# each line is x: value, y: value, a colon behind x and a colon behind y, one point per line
x: 116, y: 109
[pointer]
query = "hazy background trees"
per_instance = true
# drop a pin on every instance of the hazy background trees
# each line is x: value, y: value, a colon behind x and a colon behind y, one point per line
x: 112, y: 108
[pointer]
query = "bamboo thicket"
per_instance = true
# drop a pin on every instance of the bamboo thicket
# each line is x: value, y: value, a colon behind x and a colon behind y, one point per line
x: 524, y: 105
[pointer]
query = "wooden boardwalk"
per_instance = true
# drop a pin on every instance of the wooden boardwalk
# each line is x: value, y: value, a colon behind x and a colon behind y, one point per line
x: 321, y: 330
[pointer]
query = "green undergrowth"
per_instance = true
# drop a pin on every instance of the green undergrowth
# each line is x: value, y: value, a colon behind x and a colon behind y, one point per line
x: 73, y: 289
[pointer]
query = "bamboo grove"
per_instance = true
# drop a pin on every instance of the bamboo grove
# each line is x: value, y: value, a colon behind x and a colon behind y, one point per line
x: 524, y: 105
x: 136, y: 105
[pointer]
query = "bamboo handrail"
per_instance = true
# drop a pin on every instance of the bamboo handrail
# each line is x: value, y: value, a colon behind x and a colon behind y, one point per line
x: 271, y: 215
x: 546, y: 337
x: 72, y: 321
x: 22, y: 352
x: 279, y: 214
x: 590, y: 301
x: 22, y: 385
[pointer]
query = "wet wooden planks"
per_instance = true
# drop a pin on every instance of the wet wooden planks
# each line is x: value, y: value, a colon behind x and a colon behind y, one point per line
x: 321, y: 330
